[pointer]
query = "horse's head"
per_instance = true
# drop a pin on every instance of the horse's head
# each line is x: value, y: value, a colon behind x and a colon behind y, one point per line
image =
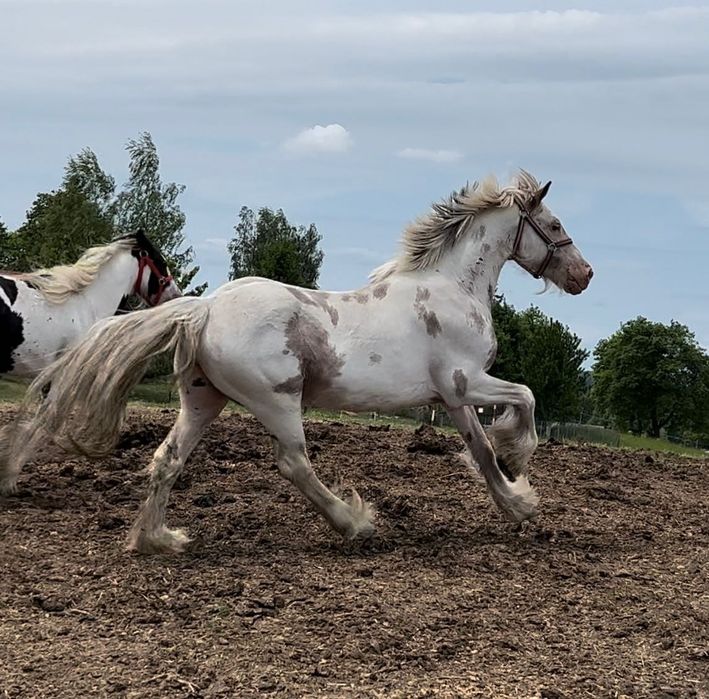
x: 543, y: 248
x: 154, y: 283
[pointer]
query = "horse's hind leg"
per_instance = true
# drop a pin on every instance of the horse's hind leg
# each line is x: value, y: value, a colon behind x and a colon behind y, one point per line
x: 15, y: 452
x: 8, y: 476
x: 283, y: 420
x: 200, y: 403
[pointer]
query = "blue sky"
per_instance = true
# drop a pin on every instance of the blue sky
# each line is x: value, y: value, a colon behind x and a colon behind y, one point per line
x: 610, y: 100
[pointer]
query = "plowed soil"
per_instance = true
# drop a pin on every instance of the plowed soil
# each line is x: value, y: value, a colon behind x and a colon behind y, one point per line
x: 605, y: 595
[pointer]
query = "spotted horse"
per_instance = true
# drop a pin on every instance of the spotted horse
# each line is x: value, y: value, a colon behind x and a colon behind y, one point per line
x: 420, y: 332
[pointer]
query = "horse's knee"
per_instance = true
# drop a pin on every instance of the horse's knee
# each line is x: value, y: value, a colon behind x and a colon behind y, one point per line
x: 527, y: 398
x: 294, y: 470
x: 292, y: 460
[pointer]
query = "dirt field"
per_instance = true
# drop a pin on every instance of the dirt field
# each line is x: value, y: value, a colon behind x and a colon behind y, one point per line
x: 606, y: 595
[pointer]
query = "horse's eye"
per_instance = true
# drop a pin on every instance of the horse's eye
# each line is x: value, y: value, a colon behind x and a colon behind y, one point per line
x: 556, y: 225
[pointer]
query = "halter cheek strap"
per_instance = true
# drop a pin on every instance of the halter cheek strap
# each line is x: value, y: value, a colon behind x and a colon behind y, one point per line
x: 552, y: 245
x: 144, y: 261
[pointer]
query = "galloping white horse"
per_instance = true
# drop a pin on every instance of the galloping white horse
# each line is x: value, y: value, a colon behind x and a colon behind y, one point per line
x: 44, y: 312
x: 420, y: 332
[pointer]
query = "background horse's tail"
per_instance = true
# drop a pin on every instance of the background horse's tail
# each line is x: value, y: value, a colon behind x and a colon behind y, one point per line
x: 80, y: 399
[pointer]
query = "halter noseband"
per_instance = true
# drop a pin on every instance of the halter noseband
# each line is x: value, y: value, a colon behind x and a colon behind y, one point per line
x: 552, y: 245
x: 144, y: 260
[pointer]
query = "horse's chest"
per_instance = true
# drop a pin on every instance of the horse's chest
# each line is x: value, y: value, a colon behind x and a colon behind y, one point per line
x: 481, y: 335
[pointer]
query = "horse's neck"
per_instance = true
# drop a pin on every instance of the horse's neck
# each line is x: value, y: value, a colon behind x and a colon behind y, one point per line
x: 477, y: 263
x: 102, y: 297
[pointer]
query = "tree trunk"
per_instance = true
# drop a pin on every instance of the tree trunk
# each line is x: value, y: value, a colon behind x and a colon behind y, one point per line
x: 654, y: 424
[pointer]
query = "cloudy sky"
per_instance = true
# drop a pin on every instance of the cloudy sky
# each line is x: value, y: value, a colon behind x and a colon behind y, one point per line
x: 357, y: 115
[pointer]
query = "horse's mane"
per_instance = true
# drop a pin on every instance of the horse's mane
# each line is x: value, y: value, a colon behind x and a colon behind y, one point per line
x: 58, y: 283
x: 430, y: 236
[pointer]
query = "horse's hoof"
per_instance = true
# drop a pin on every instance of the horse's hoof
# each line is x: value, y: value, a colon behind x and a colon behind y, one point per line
x: 365, y: 530
x: 165, y: 541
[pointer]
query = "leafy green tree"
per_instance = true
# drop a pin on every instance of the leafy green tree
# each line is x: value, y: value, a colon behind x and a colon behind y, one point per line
x: 649, y: 376
x: 61, y: 224
x: 508, y: 331
x: 7, y: 251
x: 269, y: 246
x: 146, y: 202
x: 545, y: 355
x: 84, y: 174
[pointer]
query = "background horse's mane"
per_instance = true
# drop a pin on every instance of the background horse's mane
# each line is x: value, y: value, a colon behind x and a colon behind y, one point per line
x: 58, y: 283
x: 430, y: 236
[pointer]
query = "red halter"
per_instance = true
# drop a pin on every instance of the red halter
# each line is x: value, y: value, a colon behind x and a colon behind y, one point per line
x: 144, y: 261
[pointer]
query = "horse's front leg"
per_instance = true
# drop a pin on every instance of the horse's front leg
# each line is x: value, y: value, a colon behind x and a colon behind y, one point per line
x: 513, y: 435
x: 516, y: 499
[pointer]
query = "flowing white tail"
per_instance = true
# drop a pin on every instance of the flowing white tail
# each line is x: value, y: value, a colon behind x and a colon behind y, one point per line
x: 80, y: 399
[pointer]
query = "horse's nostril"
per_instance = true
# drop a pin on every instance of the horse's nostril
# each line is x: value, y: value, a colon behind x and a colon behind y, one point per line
x: 590, y: 273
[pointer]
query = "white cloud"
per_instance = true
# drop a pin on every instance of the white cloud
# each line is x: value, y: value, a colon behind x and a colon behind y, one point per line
x: 435, y: 156
x: 332, y: 138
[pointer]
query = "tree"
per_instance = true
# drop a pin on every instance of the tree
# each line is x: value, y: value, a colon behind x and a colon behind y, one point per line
x: 650, y: 376
x: 269, y: 246
x: 61, y: 224
x: 543, y: 354
x: 147, y: 203
x: 7, y: 252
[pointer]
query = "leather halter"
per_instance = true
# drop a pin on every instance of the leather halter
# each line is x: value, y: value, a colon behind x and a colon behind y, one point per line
x: 144, y: 260
x: 552, y: 245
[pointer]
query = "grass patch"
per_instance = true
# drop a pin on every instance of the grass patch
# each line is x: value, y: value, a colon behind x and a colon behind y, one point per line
x: 12, y: 391
x: 631, y: 441
x: 156, y: 393
x: 164, y: 394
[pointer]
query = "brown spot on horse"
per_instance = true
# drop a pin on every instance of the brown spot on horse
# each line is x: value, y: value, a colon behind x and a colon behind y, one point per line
x: 316, y: 298
x: 318, y: 361
x: 433, y: 326
x: 380, y: 290
x: 460, y: 381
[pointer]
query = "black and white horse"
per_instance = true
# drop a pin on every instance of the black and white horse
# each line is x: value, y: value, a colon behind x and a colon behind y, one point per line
x: 43, y: 313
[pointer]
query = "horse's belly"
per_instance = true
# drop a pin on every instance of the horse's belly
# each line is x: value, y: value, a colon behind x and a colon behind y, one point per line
x: 359, y: 394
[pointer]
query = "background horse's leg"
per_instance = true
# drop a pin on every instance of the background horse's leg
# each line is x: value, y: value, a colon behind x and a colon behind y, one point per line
x: 282, y: 418
x: 200, y: 403
x: 517, y: 500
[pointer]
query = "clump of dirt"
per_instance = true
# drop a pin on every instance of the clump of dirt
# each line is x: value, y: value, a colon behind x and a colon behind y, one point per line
x: 605, y: 595
x: 428, y: 440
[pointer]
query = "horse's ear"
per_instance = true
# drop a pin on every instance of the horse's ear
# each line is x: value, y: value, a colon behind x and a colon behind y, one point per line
x: 140, y: 237
x: 537, y: 197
